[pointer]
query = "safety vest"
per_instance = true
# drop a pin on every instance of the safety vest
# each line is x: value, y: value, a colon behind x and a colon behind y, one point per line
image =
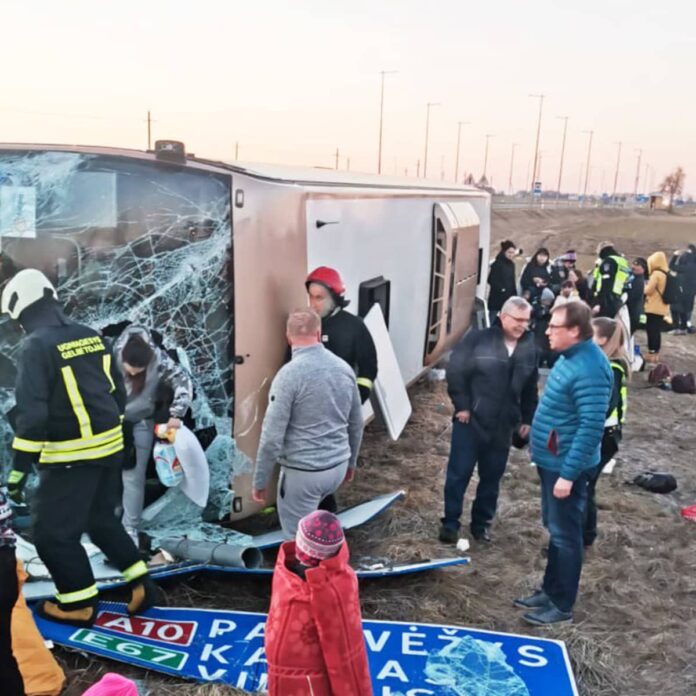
x: 623, y: 271
x: 618, y: 415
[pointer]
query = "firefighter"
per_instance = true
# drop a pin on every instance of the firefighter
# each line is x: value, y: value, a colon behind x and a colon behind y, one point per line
x: 342, y: 333
x: 610, y: 275
x: 70, y: 401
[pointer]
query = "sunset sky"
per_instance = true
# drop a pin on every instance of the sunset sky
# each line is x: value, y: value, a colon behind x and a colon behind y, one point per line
x: 293, y: 81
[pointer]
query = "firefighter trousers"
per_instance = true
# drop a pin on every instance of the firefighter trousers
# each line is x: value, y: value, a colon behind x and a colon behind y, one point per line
x: 69, y: 502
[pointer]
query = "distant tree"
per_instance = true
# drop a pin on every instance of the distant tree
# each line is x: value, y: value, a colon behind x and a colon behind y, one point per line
x: 673, y: 185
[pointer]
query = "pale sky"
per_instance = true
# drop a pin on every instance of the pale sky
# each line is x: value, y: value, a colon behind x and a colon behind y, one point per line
x: 293, y: 81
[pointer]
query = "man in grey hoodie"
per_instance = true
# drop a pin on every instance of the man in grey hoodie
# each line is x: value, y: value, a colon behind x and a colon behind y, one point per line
x: 313, y: 425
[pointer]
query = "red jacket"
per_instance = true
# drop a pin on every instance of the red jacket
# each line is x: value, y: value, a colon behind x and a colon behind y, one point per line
x: 314, y: 639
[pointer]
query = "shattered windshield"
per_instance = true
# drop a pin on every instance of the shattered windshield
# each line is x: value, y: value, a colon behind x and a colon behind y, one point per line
x: 125, y: 240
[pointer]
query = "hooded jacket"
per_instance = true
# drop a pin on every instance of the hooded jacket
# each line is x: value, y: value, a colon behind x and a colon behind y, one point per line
x: 161, y: 370
x: 655, y: 287
x: 314, y: 639
x: 533, y: 269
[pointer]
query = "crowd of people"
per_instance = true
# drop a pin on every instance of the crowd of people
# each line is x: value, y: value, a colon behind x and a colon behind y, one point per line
x: 86, y: 411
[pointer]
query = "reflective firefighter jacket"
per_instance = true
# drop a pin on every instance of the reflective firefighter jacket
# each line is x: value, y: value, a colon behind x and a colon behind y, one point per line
x: 346, y: 335
x: 70, y: 399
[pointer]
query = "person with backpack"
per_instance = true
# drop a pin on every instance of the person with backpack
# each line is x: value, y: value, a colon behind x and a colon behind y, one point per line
x: 609, y: 336
x: 635, y: 300
x: 158, y: 391
x: 656, y: 303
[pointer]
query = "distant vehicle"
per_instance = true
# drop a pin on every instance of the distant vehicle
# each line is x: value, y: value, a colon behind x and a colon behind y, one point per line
x: 214, y: 256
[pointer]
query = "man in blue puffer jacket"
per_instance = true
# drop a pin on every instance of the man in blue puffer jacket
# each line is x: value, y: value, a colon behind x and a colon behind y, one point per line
x: 565, y: 443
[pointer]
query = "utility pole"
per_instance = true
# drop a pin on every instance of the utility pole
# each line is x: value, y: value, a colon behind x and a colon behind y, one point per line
x: 616, y: 175
x: 560, y: 167
x: 635, y: 186
x: 512, y: 164
x: 540, y: 97
x: 381, y: 118
x: 337, y: 157
x: 236, y: 151
x: 427, y: 129
x: 149, y: 130
x: 442, y: 168
x: 587, y: 170
x: 456, y: 159
x: 418, y: 169
x: 485, y: 157
x: 347, y: 164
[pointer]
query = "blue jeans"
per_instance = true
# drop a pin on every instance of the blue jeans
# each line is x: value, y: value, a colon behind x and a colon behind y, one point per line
x: 466, y: 450
x: 565, y: 520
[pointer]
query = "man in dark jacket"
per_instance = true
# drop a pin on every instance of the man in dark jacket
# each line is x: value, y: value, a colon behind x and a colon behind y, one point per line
x: 501, y: 278
x: 70, y: 401
x: 492, y: 381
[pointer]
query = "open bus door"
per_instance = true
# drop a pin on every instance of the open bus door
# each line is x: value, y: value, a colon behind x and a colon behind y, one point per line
x: 454, y: 275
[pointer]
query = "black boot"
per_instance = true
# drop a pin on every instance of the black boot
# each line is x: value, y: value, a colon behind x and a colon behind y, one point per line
x: 60, y: 613
x: 145, y: 593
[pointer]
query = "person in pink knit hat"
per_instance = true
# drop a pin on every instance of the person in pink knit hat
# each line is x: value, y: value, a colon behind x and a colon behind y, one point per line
x: 314, y: 639
x: 112, y: 684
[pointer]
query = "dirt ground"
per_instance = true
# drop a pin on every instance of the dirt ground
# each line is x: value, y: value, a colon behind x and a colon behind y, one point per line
x: 635, y: 625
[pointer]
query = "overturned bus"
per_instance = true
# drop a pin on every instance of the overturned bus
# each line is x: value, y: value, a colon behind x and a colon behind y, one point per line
x: 213, y: 255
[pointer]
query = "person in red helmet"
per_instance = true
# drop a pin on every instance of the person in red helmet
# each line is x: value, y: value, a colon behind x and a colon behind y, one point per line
x: 344, y: 334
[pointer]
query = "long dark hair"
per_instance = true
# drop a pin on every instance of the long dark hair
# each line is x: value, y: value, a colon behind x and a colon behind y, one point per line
x: 137, y: 353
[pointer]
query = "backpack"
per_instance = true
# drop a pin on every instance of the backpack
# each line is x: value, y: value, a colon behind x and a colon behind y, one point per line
x: 673, y: 291
x: 684, y: 384
x: 655, y: 482
x: 660, y: 374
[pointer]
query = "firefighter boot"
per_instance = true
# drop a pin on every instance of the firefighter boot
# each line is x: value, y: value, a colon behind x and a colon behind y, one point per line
x: 82, y: 615
x: 145, y: 593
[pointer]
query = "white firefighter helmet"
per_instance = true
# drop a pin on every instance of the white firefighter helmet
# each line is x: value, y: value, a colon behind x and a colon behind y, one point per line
x: 27, y: 287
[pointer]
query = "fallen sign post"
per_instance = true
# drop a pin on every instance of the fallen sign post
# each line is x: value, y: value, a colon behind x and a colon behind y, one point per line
x: 409, y: 659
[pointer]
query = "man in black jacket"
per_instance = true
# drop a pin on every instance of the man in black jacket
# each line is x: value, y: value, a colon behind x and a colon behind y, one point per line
x: 492, y: 381
x: 70, y: 401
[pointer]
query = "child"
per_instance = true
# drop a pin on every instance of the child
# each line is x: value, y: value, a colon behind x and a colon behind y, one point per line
x: 314, y: 638
x: 12, y: 684
x: 609, y: 336
x: 568, y: 293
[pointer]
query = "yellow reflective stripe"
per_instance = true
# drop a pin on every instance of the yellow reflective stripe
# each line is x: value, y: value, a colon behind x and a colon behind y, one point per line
x: 76, y: 402
x: 78, y: 596
x: 364, y: 382
x: 137, y: 570
x: 15, y: 476
x: 27, y: 445
x: 106, y: 362
x: 84, y: 442
x: 82, y: 455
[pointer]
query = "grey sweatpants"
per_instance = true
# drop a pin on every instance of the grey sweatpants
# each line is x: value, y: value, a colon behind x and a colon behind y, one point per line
x: 134, y: 479
x: 300, y: 492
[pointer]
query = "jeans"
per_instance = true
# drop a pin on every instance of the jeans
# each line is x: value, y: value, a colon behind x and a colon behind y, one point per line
x: 609, y: 448
x: 467, y: 449
x: 134, y: 478
x: 565, y: 520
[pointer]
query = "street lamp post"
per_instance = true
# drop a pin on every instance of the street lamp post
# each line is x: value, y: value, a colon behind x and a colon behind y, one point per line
x: 485, y: 157
x: 635, y: 185
x: 512, y: 164
x: 540, y: 97
x: 616, y: 174
x: 560, y: 166
x: 456, y: 159
x: 381, y: 118
x: 427, y: 129
x: 587, y: 169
